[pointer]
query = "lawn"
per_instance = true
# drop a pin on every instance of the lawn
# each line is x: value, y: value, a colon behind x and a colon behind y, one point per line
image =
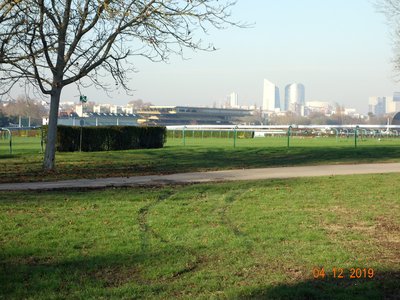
x: 197, y: 155
x: 258, y: 239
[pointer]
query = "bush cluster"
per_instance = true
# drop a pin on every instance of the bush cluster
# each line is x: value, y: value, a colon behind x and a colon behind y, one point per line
x: 107, y: 138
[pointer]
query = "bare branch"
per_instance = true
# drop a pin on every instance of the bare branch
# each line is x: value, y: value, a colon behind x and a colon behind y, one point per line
x: 48, y: 44
x: 391, y: 9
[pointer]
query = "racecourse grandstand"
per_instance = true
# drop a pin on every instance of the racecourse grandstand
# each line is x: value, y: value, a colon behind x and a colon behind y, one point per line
x: 185, y: 115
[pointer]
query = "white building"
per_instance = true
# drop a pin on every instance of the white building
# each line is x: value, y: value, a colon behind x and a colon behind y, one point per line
x: 319, y: 106
x: 66, y: 104
x: 116, y: 109
x: 101, y: 108
x: 233, y: 100
x: 392, y: 104
x: 79, y: 110
x: 294, y: 97
x: 351, y: 112
x: 129, y: 109
x: 271, y: 100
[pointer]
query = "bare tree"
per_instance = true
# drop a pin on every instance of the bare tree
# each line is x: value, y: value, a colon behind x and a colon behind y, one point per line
x: 288, y: 118
x: 139, y: 104
x: 49, y: 44
x: 391, y: 9
x: 26, y: 107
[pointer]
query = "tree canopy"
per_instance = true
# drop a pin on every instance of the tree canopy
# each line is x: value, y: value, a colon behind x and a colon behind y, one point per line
x: 75, y: 39
x: 49, y: 44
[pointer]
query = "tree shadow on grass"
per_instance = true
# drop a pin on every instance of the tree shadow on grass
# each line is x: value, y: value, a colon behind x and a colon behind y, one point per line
x: 179, y: 160
x: 384, y: 285
x: 251, y: 157
x: 154, y: 274
x: 117, y: 275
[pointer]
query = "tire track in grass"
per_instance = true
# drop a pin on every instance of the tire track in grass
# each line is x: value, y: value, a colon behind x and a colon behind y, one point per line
x: 147, y: 232
x: 145, y: 228
x: 244, y: 239
x: 229, y: 200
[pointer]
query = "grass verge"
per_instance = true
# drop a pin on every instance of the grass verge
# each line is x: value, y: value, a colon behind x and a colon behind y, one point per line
x: 231, y: 240
x: 198, y: 155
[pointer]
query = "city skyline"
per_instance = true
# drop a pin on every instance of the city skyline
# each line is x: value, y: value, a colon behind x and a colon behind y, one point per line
x: 294, y: 100
x: 342, y: 62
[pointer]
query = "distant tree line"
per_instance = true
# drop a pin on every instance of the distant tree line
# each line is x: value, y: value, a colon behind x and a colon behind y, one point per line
x: 22, y: 107
x: 317, y: 118
x: 140, y: 104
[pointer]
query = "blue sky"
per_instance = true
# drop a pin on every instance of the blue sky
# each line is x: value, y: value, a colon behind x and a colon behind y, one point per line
x: 340, y: 50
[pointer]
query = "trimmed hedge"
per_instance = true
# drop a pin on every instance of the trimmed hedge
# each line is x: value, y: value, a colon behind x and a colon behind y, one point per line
x: 107, y: 138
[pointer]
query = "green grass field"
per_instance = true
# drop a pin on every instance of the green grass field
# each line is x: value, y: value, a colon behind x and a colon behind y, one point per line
x: 197, y: 155
x: 217, y: 241
x: 233, y: 240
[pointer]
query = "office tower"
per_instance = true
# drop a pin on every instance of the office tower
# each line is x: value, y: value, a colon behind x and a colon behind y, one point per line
x: 271, y: 101
x: 294, y: 96
x: 377, y: 105
x: 393, y: 103
x: 396, y: 96
x: 233, y: 100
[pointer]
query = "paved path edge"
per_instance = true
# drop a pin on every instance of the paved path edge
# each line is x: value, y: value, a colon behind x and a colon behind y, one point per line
x: 212, y: 176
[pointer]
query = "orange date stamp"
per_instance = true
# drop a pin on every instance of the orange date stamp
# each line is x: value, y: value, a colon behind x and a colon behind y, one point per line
x: 343, y: 273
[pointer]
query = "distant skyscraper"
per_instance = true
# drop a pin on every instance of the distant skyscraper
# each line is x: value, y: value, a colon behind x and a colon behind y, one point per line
x: 377, y: 105
x: 294, y: 96
x: 387, y: 104
x: 396, y: 96
x: 233, y: 100
x: 394, y: 104
x: 271, y: 101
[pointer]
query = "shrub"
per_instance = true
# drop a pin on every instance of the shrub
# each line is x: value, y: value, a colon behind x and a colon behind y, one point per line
x: 107, y: 138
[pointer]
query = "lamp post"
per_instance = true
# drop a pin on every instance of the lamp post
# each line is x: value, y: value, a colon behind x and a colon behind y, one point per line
x: 81, y: 123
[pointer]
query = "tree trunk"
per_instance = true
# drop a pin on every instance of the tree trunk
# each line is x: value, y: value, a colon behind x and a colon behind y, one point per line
x: 50, y: 152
